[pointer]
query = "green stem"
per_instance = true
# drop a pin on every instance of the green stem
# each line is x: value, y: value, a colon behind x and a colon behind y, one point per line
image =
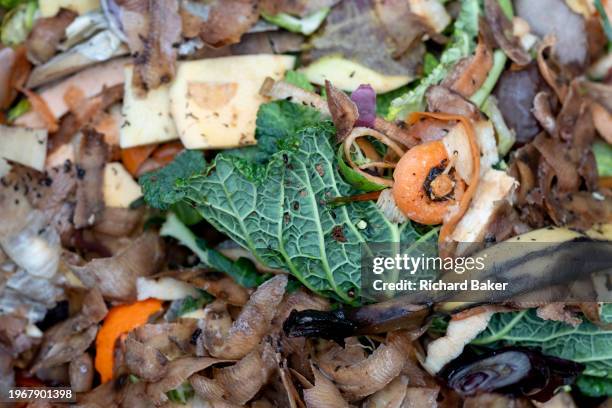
x: 499, y: 335
x: 499, y: 62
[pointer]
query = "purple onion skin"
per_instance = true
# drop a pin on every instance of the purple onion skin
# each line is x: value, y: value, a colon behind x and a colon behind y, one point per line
x: 514, y: 371
x: 365, y: 99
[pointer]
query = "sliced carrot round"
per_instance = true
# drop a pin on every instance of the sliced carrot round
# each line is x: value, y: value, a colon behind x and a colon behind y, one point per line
x: 410, y: 177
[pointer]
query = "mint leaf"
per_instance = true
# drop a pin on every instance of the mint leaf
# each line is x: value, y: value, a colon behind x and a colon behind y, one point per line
x: 162, y: 188
x: 587, y: 343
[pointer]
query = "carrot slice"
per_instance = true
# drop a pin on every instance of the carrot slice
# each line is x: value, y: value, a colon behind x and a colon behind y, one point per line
x: 451, y: 222
x: 133, y: 157
x: 120, y: 320
x: 410, y: 174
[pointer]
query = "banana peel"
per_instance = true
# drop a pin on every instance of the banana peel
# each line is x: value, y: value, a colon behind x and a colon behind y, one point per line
x: 538, y: 262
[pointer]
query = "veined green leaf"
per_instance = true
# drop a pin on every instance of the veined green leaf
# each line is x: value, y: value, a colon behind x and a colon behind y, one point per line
x: 274, y: 203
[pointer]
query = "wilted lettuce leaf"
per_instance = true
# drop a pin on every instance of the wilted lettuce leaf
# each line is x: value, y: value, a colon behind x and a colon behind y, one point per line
x: 276, y: 206
x: 587, y: 343
x: 461, y: 45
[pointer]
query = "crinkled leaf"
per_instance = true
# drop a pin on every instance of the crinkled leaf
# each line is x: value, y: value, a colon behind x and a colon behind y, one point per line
x: 278, y: 122
x: 383, y: 101
x: 277, y: 208
x: 605, y: 313
x: 162, y: 188
x: 587, y: 343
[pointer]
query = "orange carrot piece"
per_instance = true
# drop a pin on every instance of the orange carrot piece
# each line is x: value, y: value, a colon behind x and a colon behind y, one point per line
x: 120, y: 320
x: 410, y: 174
x: 133, y: 157
x: 449, y: 224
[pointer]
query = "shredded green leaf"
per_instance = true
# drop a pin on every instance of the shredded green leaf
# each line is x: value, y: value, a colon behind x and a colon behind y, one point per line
x: 595, y: 386
x: 19, y: 109
x: 430, y: 62
x: 603, y: 158
x: 182, y: 394
x: 383, y: 101
x: 190, y: 304
x: 242, y: 270
x: 9, y: 4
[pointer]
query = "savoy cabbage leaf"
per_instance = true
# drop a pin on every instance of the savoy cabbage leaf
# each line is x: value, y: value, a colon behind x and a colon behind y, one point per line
x: 586, y: 343
x: 162, y: 188
x: 273, y: 202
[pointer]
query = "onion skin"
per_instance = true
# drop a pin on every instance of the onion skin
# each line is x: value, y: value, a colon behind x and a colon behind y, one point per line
x: 365, y: 99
